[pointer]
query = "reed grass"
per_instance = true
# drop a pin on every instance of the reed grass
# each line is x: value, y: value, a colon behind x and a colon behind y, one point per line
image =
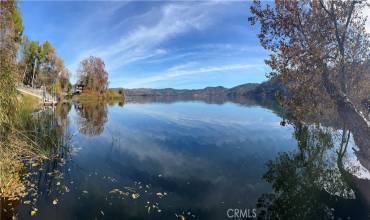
x: 23, y: 145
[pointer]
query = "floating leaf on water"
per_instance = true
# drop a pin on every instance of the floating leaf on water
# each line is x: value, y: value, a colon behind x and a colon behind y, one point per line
x: 85, y: 192
x: 55, y: 201
x: 159, y: 194
x: 159, y: 210
x: 34, y: 211
x: 159, y: 175
x: 114, y: 191
x: 102, y: 212
x: 58, y: 183
x: 135, y: 195
x: 179, y: 216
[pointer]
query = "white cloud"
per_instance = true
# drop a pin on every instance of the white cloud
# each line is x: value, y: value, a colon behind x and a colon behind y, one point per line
x: 145, y: 40
x: 182, y: 70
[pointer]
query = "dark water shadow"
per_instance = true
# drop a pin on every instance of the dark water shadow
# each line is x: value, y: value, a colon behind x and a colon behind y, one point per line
x: 318, y: 180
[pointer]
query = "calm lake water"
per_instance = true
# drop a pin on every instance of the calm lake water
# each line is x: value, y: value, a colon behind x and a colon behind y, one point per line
x: 186, y: 159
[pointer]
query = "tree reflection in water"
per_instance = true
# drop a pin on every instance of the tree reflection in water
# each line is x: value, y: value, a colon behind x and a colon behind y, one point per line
x: 92, y: 117
x: 316, y: 181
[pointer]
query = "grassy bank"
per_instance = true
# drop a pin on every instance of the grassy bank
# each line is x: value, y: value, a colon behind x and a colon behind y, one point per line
x: 28, y: 101
x: 18, y: 150
x: 31, y: 140
x: 110, y: 94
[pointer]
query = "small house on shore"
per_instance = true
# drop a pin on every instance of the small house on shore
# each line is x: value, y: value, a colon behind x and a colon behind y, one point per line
x: 78, y: 88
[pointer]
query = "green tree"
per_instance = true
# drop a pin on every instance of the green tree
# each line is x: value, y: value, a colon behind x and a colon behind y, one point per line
x: 42, y: 66
x: 32, y: 58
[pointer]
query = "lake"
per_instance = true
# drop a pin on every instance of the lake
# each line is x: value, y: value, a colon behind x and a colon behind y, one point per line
x: 197, y: 160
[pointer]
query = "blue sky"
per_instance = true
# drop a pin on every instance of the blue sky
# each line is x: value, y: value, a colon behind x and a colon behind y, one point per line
x: 154, y: 44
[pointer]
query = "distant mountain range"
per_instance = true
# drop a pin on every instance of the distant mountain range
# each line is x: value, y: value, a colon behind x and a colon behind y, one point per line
x: 257, y: 90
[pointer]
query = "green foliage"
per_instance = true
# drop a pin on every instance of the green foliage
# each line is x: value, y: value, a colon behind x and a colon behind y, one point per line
x: 18, y: 25
x: 11, y: 29
x: 42, y: 66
